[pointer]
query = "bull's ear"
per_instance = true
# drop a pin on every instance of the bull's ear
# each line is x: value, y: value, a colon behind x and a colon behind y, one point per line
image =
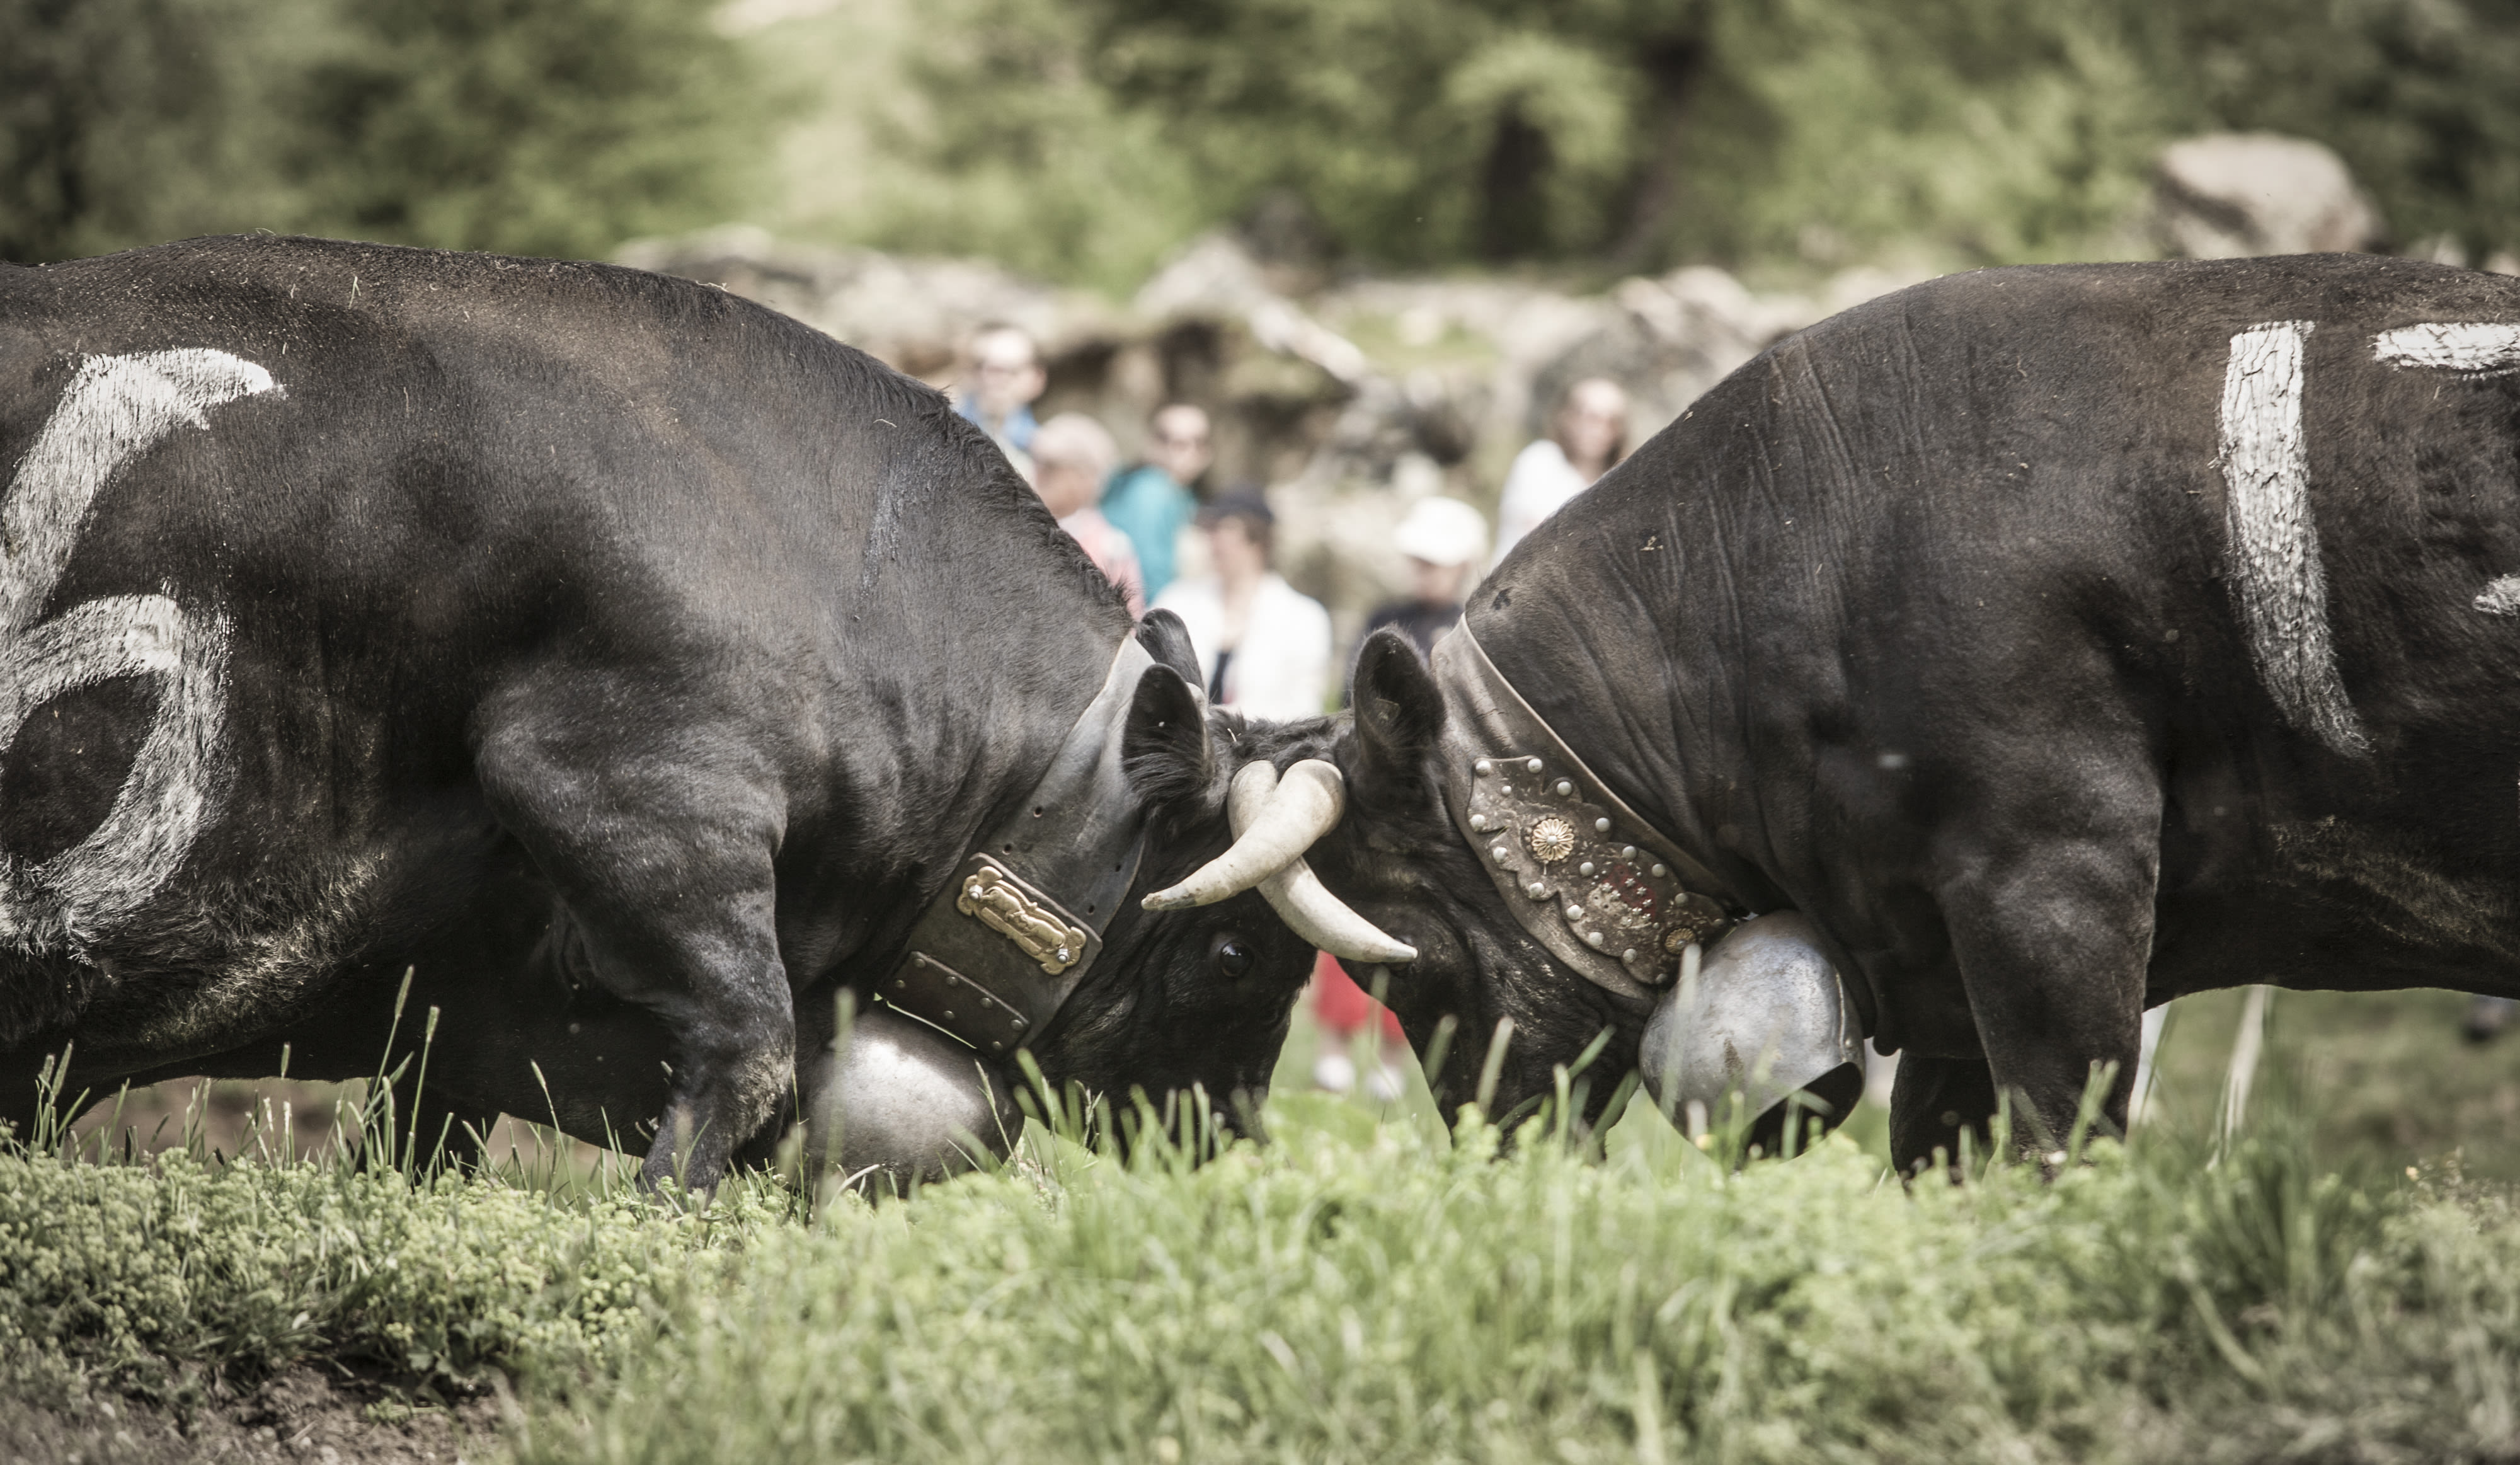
x: 1163, y: 745
x: 1168, y: 640
x: 1399, y: 716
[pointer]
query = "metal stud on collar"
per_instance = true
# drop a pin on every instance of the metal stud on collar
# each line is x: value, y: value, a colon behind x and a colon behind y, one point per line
x: 1591, y: 880
x: 1551, y: 840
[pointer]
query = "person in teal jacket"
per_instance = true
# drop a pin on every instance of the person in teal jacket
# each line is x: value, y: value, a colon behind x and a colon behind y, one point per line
x: 1152, y: 503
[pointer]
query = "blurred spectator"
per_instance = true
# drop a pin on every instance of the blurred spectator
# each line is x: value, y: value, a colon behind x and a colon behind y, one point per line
x: 1072, y: 456
x: 1263, y: 649
x: 1005, y: 379
x: 2486, y: 1018
x: 1152, y: 504
x: 1442, y: 537
x: 1344, y: 1010
x: 1588, y: 435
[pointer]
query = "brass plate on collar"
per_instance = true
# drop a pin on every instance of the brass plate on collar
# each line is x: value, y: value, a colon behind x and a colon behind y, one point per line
x: 1004, y: 905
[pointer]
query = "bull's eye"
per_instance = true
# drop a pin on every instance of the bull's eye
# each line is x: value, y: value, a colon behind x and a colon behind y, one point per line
x: 1232, y: 956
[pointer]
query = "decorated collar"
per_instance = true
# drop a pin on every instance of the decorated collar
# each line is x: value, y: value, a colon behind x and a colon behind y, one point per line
x: 997, y: 952
x: 1584, y: 873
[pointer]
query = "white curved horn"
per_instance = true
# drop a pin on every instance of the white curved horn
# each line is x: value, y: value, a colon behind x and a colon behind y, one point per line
x: 1312, y: 912
x: 1274, y: 823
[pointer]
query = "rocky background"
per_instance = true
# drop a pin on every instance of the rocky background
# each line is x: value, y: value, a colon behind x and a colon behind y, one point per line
x: 1348, y: 398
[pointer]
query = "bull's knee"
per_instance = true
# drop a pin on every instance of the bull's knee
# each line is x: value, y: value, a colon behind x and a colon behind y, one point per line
x: 727, y: 1085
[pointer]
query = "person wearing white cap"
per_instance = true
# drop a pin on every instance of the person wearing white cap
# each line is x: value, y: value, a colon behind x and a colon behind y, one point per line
x: 1443, y: 537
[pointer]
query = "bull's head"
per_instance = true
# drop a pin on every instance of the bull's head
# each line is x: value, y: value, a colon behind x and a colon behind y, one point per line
x: 1196, y: 984
x: 1341, y: 828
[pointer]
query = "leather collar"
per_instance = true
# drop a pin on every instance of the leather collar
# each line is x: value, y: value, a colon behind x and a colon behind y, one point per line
x: 1603, y: 890
x: 997, y: 952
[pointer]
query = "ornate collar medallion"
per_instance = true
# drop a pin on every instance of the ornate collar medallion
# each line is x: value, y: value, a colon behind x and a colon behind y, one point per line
x: 1587, y: 877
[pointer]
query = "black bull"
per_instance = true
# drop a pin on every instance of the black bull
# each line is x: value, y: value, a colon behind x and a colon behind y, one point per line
x: 628, y: 662
x: 2063, y: 640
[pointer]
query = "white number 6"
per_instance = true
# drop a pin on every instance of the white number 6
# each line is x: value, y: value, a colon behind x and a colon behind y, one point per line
x: 115, y: 409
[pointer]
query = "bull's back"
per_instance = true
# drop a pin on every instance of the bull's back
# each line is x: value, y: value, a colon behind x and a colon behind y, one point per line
x: 307, y: 508
x: 2249, y: 518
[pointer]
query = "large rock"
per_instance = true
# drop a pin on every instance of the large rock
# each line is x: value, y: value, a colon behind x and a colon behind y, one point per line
x: 2232, y: 194
x: 914, y: 313
x: 1668, y: 339
x: 1352, y: 402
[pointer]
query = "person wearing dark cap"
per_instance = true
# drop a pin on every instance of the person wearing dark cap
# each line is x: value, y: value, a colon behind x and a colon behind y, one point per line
x: 1264, y: 649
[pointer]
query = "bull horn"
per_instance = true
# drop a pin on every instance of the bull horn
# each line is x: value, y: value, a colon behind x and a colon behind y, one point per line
x: 1312, y: 912
x: 1275, y: 822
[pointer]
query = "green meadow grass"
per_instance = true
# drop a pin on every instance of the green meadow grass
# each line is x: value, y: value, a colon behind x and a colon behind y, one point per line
x: 1360, y: 1289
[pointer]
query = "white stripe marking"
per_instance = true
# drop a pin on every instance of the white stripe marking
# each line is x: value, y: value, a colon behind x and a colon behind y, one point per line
x: 2474, y: 348
x: 115, y: 409
x: 2471, y: 349
x: 2274, y: 564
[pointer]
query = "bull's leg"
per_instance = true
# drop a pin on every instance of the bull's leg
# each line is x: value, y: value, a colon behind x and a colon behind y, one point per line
x: 2049, y: 899
x: 658, y: 829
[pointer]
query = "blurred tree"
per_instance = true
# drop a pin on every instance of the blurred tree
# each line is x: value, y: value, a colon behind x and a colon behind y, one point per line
x: 530, y: 126
x: 1006, y: 145
x: 1638, y: 132
x: 1986, y: 130
x: 129, y: 122
x: 2420, y: 97
x: 535, y: 126
x: 1417, y: 130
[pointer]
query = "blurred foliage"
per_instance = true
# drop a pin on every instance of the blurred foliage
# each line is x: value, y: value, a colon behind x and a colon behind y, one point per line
x: 1084, y: 139
x: 533, y: 126
x: 1017, y: 154
x: 2420, y: 97
x: 128, y: 121
x: 1079, y: 138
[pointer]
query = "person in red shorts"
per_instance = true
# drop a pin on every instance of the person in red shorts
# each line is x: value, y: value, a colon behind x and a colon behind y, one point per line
x: 1441, y: 539
x: 1343, y: 1010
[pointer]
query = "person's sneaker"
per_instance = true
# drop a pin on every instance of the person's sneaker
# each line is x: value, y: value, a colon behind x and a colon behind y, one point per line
x: 1334, y: 1072
x: 2486, y: 1019
x: 1382, y: 1083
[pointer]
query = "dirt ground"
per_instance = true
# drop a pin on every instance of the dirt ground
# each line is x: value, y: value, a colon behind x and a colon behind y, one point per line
x: 310, y: 1415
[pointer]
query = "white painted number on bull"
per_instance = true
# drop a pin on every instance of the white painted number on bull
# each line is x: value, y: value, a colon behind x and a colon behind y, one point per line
x: 2275, y: 569
x: 2469, y: 349
x: 115, y: 409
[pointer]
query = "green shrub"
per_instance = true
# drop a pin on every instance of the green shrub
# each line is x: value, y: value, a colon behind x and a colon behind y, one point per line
x: 130, y: 1272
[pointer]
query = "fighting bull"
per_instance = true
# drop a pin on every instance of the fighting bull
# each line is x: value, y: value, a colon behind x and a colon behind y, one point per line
x: 2024, y: 649
x: 630, y: 666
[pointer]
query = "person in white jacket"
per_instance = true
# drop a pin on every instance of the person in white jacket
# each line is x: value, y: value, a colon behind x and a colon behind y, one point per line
x: 1586, y: 438
x: 1264, y: 648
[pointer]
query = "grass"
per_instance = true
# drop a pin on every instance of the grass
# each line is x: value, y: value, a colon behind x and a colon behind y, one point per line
x: 1364, y: 1290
